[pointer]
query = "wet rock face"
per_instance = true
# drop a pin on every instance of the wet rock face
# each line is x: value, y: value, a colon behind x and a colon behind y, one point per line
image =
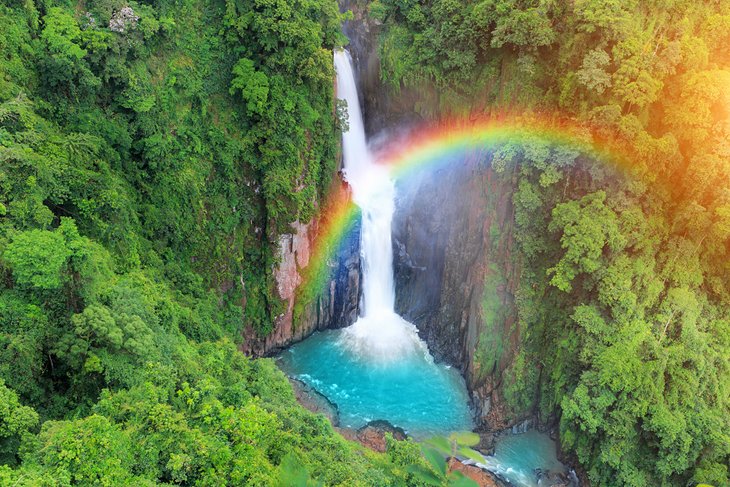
x: 334, y: 306
x: 454, y: 272
x: 427, y: 233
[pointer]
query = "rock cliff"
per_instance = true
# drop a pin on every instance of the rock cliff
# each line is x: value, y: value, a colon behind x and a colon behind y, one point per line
x: 455, y: 274
x: 335, y: 306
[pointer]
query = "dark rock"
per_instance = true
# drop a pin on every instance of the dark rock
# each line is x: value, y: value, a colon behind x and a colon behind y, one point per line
x: 523, y: 427
x: 453, y: 238
x: 386, y: 427
x: 481, y: 477
x: 554, y: 479
x: 314, y: 401
x: 487, y: 442
x: 372, y: 435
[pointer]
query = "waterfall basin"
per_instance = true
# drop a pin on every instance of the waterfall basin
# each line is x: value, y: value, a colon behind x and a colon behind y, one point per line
x: 407, y: 389
x: 404, y: 386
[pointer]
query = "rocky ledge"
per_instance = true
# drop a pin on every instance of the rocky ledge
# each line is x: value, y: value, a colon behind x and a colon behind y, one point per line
x: 334, y: 306
x: 372, y: 435
x: 314, y: 401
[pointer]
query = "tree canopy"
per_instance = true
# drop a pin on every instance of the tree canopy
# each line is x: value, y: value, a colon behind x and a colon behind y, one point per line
x: 624, y: 295
x: 150, y: 154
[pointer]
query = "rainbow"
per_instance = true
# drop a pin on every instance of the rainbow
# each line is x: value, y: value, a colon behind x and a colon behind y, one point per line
x: 428, y: 147
x: 338, y: 218
x: 433, y: 145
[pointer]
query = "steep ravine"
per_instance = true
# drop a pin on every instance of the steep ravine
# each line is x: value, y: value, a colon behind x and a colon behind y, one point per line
x: 454, y: 266
x: 455, y: 272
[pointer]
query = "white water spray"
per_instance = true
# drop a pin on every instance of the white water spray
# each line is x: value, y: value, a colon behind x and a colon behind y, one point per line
x: 379, y: 332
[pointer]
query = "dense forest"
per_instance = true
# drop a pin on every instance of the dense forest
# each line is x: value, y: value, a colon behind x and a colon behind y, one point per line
x: 149, y: 153
x: 624, y: 300
x: 152, y: 152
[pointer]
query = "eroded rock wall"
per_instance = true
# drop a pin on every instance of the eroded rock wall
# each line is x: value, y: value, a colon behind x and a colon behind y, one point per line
x: 455, y: 272
x: 335, y: 305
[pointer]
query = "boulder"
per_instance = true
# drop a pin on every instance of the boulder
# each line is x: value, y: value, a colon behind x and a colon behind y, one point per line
x: 481, y: 477
x: 372, y: 435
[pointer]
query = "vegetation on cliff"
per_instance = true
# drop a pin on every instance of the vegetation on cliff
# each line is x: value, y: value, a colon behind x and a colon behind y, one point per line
x: 150, y: 152
x: 624, y: 302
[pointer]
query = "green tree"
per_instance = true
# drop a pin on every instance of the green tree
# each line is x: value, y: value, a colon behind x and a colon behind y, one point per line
x: 588, y: 228
x: 38, y: 259
x: 253, y: 85
x: 16, y: 421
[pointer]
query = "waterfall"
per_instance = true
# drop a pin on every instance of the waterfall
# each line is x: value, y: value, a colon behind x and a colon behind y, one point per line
x: 379, y: 332
x: 373, y: 192
x: 378, y: 368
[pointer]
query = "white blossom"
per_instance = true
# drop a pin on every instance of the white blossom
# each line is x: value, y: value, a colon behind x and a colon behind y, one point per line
x: 123, y: 20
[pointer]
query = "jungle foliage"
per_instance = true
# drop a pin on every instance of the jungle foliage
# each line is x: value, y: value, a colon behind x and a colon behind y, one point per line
x: 150, y: 154
x: 624, y: 300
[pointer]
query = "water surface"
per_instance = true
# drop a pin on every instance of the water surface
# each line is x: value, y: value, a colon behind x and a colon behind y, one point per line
x: 413, y: 392
x: 518, y: 458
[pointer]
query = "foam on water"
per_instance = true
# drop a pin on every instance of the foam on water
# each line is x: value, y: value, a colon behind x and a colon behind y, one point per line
x: 383, y: 337
x: 413, y: 392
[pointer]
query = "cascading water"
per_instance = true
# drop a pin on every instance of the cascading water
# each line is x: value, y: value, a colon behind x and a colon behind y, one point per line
x: 378, y: 368
x: 379, y: 332
x: 373, y: 192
